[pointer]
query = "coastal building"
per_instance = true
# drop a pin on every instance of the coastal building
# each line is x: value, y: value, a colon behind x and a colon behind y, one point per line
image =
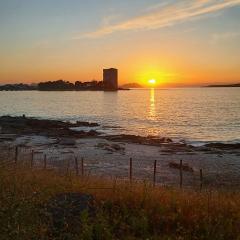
x: 110, y: 79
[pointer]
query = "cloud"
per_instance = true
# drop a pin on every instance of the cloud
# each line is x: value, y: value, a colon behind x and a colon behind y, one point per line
x: 106, y: 21
x: 164, y: 15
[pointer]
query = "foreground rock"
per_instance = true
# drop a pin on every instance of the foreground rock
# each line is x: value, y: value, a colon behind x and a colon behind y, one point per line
x: 150, y: 140
x: 169, y: 147
x: 66, y: 133
x: 67, y: 141
x: 50, y: 128
x: 185, y: 167
x: 111, y: 147
x: 223, y: 146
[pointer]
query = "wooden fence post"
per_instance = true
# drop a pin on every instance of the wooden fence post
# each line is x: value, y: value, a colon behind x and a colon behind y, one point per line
x: 82, y: 166
x: 76, y: 166
x: 154, y: 172
x: 32, y: 156
x: 130, y: 170
x: 16, y: 154
x: 201, y: 179
x: 45, y: 161
x: 181, y: 174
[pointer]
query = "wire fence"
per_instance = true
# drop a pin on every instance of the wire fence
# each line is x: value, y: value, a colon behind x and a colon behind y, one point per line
x: 180, y: 173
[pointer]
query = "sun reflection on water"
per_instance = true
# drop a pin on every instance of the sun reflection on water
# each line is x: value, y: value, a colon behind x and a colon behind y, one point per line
x: 152, y: 110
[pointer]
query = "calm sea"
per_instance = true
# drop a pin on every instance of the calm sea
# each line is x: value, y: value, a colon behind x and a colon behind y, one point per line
x: 196, y: 115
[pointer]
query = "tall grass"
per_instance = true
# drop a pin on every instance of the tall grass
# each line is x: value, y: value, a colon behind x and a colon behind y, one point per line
x: 122, y: 210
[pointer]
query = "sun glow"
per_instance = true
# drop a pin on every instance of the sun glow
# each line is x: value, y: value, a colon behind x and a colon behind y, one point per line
x: 152, y: 81
x: 151, y: 76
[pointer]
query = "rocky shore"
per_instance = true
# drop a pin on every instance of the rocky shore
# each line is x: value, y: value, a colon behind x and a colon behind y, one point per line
x: 42, y: 127
x: 60, y: 129
x: 109, y: 154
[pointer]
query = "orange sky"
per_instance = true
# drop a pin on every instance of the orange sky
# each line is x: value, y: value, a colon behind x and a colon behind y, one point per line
x: 143, y: 40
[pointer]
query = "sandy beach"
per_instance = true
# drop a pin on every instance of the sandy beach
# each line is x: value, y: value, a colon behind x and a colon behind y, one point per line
x: 108, y: 155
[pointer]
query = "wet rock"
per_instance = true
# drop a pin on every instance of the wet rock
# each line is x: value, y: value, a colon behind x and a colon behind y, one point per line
x: 219, y: 148
x: 117, y: 147
x: 224, y: 146
x: 54, y: 128
x: 67, y: 141
x: 110, y: 147
x: 86, y: 124
x: 177, y: 148
x: 185, y: 166
x: 92, y: 133
x: 166, y: 140
x: 149, y: 140
x: 101, y: 145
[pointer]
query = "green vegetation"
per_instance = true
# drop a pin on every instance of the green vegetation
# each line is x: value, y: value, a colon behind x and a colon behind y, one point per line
x: 121, y: 210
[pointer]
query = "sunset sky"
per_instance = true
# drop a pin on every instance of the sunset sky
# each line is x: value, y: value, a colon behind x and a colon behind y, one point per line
x: 178, y: 43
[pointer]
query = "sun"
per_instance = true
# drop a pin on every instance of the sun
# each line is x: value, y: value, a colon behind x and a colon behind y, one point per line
x: 152, y: 81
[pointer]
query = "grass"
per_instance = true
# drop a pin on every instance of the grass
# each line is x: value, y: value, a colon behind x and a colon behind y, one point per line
x: 122, y: 210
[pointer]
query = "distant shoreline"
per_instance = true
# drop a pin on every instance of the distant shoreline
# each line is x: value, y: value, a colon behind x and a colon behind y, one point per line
x: 63, y: 90
x: 223, y: 85
x: 60, y: 85
x: 26, y: 87
x: 120, y: 89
